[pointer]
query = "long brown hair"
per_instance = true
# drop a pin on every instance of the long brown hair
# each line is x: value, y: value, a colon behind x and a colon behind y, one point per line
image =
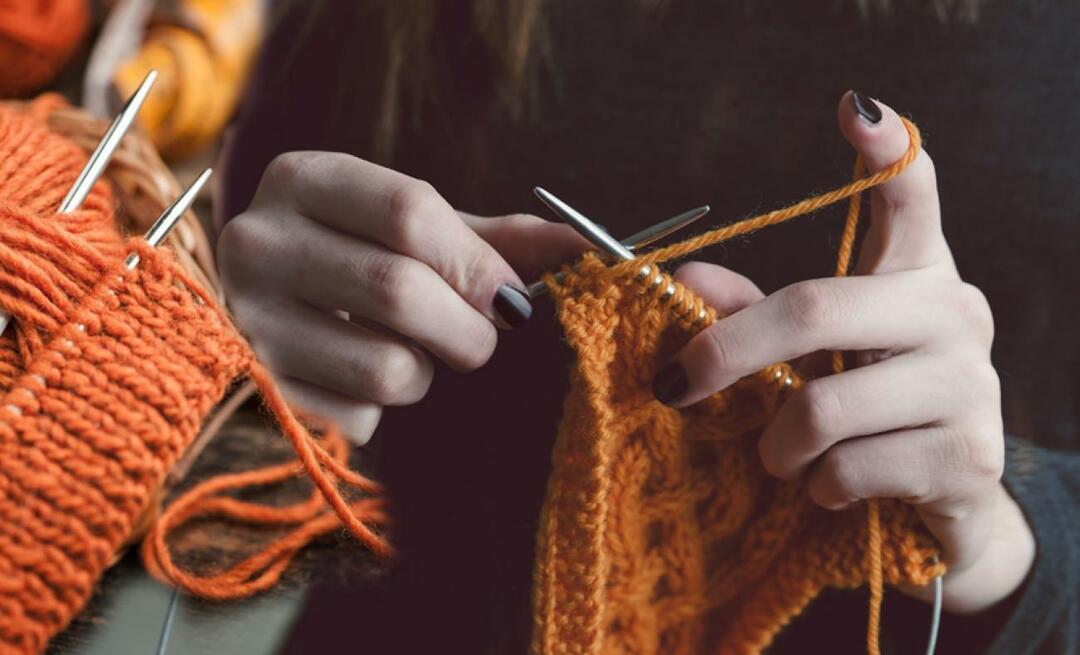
x: 508, y: 29
x: 515, y: 36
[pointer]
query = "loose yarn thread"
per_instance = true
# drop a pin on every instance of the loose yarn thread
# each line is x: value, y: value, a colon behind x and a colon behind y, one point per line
x: 107, y: 375
x: 627, y: 561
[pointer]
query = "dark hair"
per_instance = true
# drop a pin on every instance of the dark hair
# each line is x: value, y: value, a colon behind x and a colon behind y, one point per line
x: 514, y: 34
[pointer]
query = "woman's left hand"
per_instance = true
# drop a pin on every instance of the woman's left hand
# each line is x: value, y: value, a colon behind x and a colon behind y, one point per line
x: 919, y: 418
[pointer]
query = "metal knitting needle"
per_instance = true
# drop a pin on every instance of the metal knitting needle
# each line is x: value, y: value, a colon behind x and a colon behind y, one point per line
x: 589, y: 229
x: 100, y: 158
x: 650, y: 235
x: 170, y: 217
x: 636, y: 241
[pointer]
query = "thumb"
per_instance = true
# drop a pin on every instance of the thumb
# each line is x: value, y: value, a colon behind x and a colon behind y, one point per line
x: 531, y: 245
x: 905, y: 225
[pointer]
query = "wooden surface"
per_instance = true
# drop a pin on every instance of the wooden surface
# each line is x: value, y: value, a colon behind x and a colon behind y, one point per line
x: 128, y: 611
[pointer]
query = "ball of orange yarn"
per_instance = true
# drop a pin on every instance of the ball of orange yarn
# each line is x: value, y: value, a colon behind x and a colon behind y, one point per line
x: 36, y: 39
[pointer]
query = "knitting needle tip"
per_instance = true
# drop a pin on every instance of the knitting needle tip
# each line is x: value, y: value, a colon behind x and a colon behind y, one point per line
x: 656, y: 232
x: 171, y: 216
x: 634, y: 242
x: 99, y: 159
x: 588, y: 229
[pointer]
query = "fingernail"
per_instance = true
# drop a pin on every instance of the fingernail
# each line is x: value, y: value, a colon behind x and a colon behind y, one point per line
x: 866, y: 108
x: 670, y: 383
x: 512, y: 305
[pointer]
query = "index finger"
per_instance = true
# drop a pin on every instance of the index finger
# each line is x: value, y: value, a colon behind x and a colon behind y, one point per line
x: 401, y: 213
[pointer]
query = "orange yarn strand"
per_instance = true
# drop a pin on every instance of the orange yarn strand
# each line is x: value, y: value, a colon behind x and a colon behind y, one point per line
x: 778, y: 216
x: 873, y: 512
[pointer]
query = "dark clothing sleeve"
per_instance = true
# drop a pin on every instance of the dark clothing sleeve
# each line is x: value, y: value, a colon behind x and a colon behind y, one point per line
x: 1046, y: 613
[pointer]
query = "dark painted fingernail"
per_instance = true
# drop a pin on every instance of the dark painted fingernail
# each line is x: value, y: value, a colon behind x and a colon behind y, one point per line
x: 867, y: 108
x: 512, y: 305
x: 670, y: 383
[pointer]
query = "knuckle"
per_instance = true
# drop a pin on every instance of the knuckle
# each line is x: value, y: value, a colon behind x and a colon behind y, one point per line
x: 813, y: 306
x: 479, y: 271
x: 921, y: 491
x: 973, y: 310
x: 399, y: 378
x: 980, y: 382
x: 990, y: 465
x: 284, y: 169
x: 839, y: 480
x: 819, y: 407
x: 391, y: 278
x: 991, y: 385
x: 512, y: 225
x: 409, y: 201
x: 240, y: 244
x: 984, y: 449
x: 724, y: 348
x: 976, y: 454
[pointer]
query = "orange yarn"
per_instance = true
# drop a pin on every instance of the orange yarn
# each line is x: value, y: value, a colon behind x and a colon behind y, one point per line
x: 36, y: 39
x: 661, y: 532
x: 203, y: 55
x: 107, y: 375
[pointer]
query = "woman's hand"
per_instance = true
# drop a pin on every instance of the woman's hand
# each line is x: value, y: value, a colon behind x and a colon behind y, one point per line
x: 347, y: 277
x: 920, y: 417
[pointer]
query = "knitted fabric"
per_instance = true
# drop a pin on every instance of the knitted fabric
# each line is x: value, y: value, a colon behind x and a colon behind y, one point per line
x: 661, y: 532
x: 107, y: 376
x: 36, y: 39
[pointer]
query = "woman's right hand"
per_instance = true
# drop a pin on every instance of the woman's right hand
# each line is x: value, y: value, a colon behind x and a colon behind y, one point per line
x: 347, y: 277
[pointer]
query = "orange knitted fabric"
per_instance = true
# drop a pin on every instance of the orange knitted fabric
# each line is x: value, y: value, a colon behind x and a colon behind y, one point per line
x: 108, y: 374
x: 36, y: 39
x: 661, y: 532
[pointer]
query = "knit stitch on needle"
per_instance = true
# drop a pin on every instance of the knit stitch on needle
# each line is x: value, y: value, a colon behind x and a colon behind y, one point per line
x: 106, y: 377
x: 661, y: 532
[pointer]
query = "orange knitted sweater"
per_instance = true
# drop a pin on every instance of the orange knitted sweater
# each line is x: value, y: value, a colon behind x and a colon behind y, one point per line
x: 661, y: 532
x: 106, y: 376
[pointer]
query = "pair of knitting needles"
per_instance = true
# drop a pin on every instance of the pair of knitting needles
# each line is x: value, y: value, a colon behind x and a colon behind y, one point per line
x: 99, y: 160
x: 613, y: 248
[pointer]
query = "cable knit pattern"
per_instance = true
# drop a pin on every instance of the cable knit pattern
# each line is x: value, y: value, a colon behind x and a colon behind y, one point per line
x: 661, y: 532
